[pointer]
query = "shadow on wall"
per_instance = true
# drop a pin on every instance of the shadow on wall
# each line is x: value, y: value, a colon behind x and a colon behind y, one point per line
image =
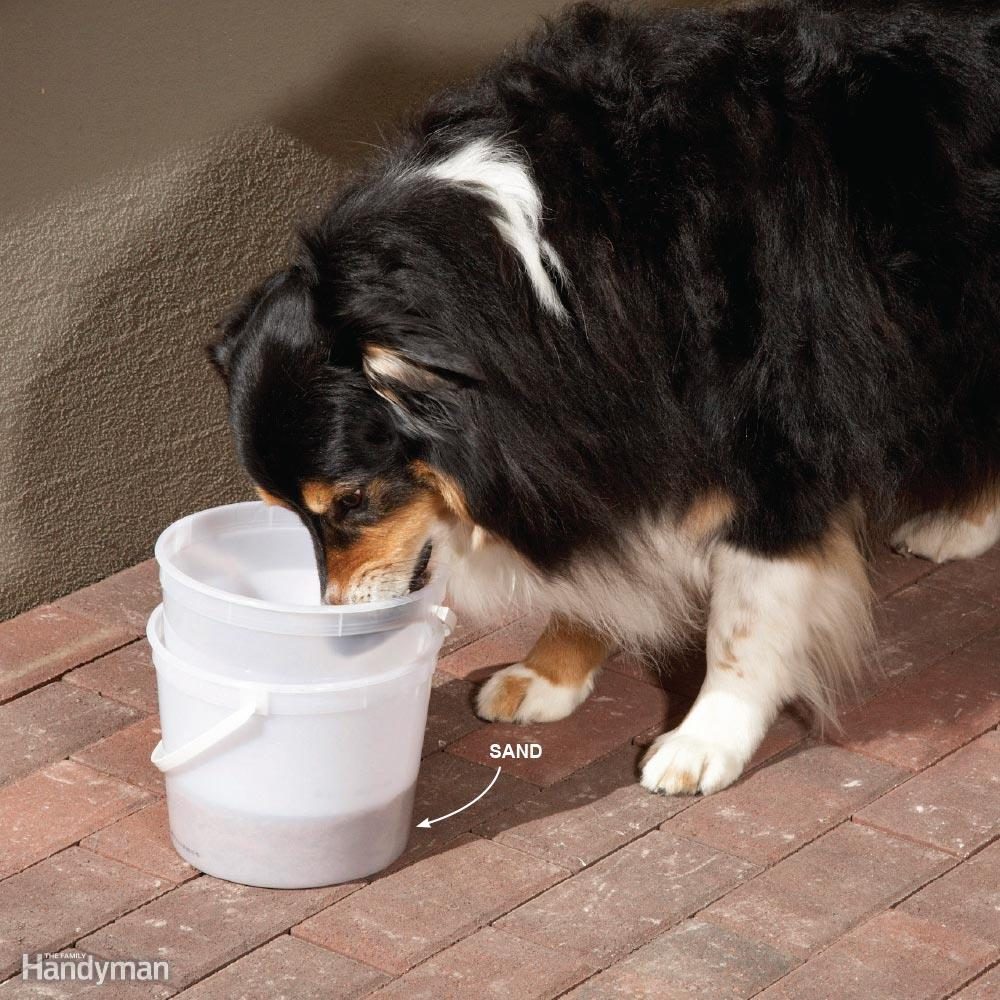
x: 116, y: 425
x: 351, y: 113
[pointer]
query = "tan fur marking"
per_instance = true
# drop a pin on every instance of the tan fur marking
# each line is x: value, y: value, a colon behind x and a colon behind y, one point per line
x: 567, y: 652
x: 686, y: 782
x: 508, y: 699
x: 392, y: 541
x: 839, y: 547
x: 708, y: 514
x: 728, y: 659
x: 446, y: 488
x: 270, y: 499
x: 978, y: 510
x: 318, y: 496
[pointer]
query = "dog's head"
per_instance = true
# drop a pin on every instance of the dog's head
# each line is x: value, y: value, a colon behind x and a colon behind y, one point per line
x: 332, y: 404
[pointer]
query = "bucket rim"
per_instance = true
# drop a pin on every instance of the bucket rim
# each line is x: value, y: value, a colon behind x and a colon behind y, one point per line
x: 154, y: 636
x: 168, y: 568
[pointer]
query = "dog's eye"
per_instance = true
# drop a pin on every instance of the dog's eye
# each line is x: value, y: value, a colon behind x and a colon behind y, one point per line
x: 350, y: 501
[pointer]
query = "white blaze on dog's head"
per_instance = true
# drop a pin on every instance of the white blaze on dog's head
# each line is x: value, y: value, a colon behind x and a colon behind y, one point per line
x: 504, y: 179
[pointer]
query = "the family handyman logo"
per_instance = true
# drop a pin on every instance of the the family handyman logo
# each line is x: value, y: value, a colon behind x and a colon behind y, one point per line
x: 74, y: 966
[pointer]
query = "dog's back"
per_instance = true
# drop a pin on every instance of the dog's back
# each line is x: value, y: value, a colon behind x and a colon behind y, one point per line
x: 787, y: 215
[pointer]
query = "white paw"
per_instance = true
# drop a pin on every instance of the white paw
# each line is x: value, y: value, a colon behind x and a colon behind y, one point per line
x: 942, y: 537
x: 677, y: 764
x: 518, y: 694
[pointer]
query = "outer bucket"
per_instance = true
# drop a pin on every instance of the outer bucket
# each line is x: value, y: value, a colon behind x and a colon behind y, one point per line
x: 241, y: 598
x: 291, y: 785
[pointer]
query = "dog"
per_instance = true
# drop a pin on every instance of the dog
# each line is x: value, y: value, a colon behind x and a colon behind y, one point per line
x: 657, y: 323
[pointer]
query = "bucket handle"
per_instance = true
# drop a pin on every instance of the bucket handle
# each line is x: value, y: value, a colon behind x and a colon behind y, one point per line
x: 254, y: 703
x: 446, y: 616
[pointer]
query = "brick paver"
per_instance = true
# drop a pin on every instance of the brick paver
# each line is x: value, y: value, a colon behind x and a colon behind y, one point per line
x: 984, y: 987
x: 446, y: 783
x: 476, y: 660
x: 125, y: 600
x: 143, y: 841
x: 832, y: 884
x: 679, y: 671
x: 585, y: 816
x: 43, y: 643
x: 125, y: 754
x: 787, y: 731
x: 627, y: 898
x: 450, y: 714
x: 891, y: 572
x: 922, y: 623
x: 954, y: 805
x: 126, y: 675
x: 694, y: 959
x: 966, y: 899
x: 45, y: 725
x: 490, y: 963
x: 53, y: 903
x: 979, y: 578
x: 57, y: 806
x: 894, y: 956
x: 409, y: 916
x: 863, y: 866
x: 618, y: 709
x: 931, y: 713
x: 778, y: 808
x: 291, y: 968
x: 641, y: 668
x: 205, y: 924
x: 468, y: 630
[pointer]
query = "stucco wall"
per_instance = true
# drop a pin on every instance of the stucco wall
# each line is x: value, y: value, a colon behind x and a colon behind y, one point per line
x: 111, y: 424
x: 155, y: 158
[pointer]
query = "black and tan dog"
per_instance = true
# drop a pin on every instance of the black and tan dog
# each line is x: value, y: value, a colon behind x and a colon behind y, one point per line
x: 651, y: 321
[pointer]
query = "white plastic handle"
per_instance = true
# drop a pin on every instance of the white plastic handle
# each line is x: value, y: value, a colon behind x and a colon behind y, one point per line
x: 169, y: 760
x: 446, y: 616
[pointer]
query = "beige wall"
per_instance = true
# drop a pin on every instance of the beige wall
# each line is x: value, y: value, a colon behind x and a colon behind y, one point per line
x: 154, y: 158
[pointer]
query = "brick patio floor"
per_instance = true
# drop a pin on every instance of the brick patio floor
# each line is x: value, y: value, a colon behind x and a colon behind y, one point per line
x: 866, y: 865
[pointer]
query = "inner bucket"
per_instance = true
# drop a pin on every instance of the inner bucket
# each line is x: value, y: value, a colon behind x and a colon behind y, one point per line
x: 241, y: 597
x: 290, y: 785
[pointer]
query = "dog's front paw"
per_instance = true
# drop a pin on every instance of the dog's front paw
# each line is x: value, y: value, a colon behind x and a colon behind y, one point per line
x: 518, y: 694
x: 677, y: 764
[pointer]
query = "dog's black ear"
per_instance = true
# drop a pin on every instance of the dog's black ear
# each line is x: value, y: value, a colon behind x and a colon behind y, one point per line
x: 231, y: 326
x: 220, y: 350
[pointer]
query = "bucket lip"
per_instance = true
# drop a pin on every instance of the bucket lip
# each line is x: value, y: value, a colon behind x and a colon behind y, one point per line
x: 169, y: 569
x: 154, y: 635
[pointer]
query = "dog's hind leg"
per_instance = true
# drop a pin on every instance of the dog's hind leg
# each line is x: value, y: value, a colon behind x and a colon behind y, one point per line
x: 555, y: 677
x: 779, y: 629
x: 962, y: 532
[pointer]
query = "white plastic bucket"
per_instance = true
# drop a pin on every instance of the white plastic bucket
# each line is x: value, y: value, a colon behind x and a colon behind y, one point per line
x: 241, y: 597
x: 289, y: 786
x: 291, y: 730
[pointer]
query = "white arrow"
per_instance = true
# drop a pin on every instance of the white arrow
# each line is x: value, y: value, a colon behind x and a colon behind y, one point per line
x: 426, y: 824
